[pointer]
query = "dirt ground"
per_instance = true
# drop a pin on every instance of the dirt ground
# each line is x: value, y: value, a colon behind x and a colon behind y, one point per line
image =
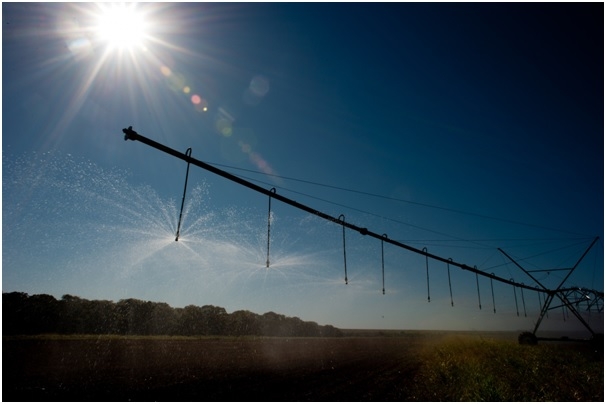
x: 210, y: 369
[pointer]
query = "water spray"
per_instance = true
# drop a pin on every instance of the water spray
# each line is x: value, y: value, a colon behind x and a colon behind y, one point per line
x: 188, y: 154
x: 130, y: 134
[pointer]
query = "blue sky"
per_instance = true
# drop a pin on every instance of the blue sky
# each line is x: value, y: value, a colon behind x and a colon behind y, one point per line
x: 462, y: 129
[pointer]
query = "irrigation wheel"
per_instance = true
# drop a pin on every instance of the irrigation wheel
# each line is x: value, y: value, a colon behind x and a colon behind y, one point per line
x: 527, y: 338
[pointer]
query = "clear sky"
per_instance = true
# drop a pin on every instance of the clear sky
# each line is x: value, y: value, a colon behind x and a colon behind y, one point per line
x: 463, y: 128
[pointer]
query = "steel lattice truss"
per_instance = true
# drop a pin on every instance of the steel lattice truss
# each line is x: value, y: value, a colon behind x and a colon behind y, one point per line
x: 584, y: 300
x: 576, y: 300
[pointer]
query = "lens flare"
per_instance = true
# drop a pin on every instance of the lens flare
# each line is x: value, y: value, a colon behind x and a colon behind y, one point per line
x: 224, y: 122
x: 256, y: 91
x: 259, y: 85
x: 180, y: 84
x: 224, y: 127
x: 165, y: 70
x: 202, y: 106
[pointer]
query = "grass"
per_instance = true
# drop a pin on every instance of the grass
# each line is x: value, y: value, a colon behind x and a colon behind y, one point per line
x: 487, y: 370
x: 412, y: 367
x: 122, y: 337
x: 85, y: 337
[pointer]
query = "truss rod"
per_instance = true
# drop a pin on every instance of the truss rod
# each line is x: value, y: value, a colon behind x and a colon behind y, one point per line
x: 578, y: 262
x: 559, y: 292
x: 548, y: 270
x: 130, y: 134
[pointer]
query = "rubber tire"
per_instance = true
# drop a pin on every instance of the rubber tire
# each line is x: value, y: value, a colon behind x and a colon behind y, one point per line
x: 527, y: 338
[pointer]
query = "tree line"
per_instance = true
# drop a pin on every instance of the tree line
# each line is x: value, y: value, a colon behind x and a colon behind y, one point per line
x: 43, y: 314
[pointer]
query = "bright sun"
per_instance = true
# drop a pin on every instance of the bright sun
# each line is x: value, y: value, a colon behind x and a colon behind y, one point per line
x: 121, y: 26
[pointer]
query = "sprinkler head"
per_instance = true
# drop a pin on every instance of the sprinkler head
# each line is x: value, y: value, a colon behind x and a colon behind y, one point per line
x: 129, y: 133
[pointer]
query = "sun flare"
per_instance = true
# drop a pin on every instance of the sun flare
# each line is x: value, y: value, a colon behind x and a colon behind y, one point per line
x: 121, y: 26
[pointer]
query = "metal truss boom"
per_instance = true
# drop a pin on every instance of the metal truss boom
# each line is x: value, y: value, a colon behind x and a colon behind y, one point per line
x: 130, y: 134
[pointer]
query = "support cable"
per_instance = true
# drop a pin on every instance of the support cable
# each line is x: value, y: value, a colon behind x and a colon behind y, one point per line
x: 398, y: 199
x: 454, y: 238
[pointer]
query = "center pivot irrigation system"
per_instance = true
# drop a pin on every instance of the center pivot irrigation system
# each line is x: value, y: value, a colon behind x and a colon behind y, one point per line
x: 573, y: 299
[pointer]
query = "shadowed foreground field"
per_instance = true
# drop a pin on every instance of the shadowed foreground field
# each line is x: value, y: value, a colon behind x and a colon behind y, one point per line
x: 411, y: 366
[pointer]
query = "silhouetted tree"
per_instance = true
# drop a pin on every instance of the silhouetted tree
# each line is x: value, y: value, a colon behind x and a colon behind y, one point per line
x: 274, y: 324
x: 15, y: 315
x: 243, y: 322
x: 37, y: 314
x: 214, y: 319
x: 191, y: 321
x: 77, y: 316
x: 164, y: 320
x: 330, y: 331
x: 135, y: 316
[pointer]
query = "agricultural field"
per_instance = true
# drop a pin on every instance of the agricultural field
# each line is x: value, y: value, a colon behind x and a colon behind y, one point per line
x: 361, y: 366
